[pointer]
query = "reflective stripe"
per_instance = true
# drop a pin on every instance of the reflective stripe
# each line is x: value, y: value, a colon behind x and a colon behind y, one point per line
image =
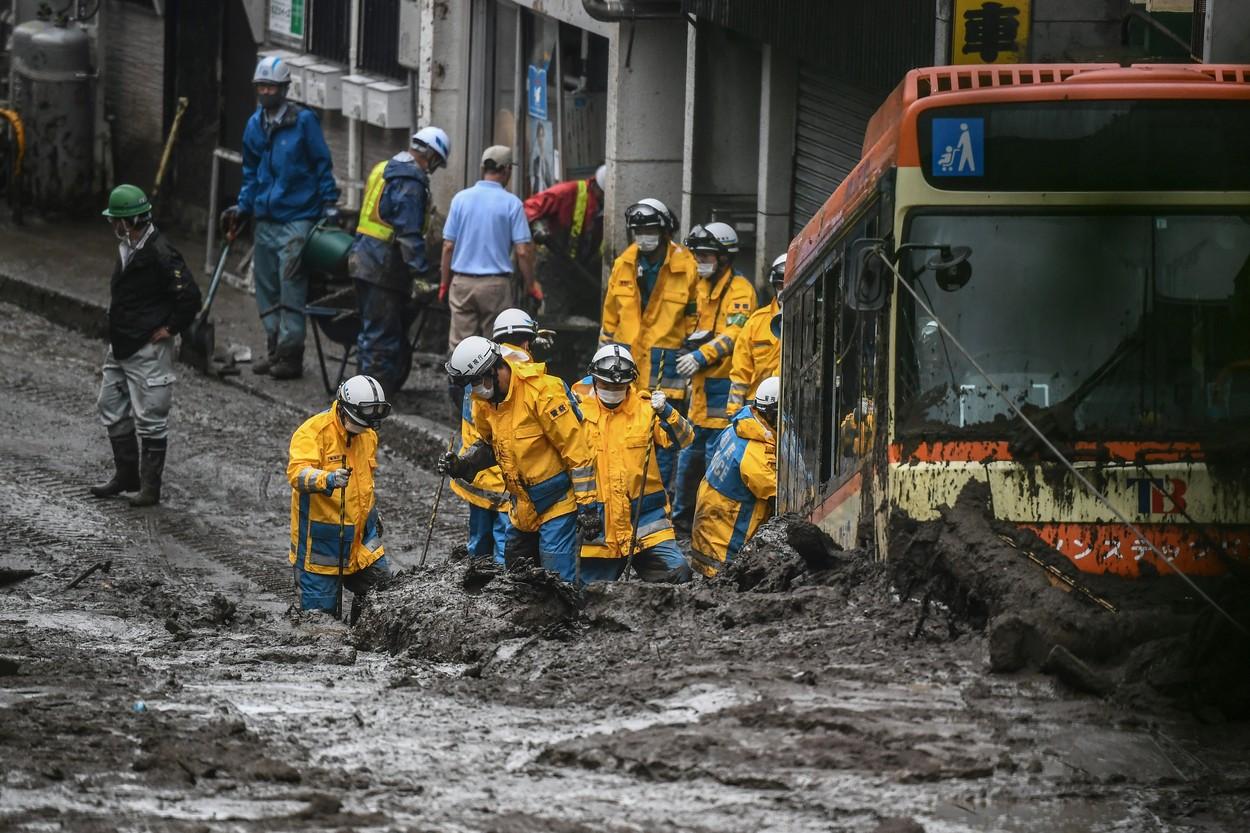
x: 307, y: 479
x: 717, y: 413
x: 673, y: 382
x: 709, y: 561
x: 497, y: 498
x: 370, y: 223
x: 579, y: 218
x: 723, y: 345
x: 653, y: 527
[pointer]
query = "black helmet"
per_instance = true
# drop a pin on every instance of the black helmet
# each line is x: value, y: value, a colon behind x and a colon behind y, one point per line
x: 614, y: 364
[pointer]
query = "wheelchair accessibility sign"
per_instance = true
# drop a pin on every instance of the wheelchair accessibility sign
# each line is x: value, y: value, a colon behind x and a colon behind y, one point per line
x: 959, y: 147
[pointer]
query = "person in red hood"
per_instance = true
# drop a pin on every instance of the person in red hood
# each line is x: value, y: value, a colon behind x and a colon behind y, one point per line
x: 566, y: 220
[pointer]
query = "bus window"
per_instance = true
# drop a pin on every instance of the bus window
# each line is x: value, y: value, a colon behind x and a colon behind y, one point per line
x: 1110, y: 322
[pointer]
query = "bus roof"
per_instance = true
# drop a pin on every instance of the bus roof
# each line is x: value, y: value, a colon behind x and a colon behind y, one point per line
x: 891, y: 137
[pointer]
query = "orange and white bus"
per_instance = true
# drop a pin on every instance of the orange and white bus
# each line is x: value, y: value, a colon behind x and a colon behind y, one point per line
x: 1083, y: 231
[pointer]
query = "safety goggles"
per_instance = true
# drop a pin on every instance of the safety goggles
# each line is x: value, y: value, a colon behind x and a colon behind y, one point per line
x: 369, y: 413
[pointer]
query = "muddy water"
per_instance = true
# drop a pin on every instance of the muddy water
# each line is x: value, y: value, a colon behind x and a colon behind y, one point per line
x: 175, y: 692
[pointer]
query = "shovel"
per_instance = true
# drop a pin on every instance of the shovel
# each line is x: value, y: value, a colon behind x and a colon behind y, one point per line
x: 198, y: 340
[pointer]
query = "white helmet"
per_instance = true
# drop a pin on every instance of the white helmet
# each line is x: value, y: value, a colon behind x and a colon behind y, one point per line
x: 777, y: 273
x: 614, y: 364
x: 363, y: 401
x: 514, y: 322
x: 768, y: 394
x: 650, y: 212
x: 472, y: 359
x: 272, y: 70
x: 717, y: 238
x: 434, y: 138
x: 601, y: 177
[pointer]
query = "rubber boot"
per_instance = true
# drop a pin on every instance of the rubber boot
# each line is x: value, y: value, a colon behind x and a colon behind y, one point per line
x: 261, y: 366
x: 151, y: 467
x: 126, y: 465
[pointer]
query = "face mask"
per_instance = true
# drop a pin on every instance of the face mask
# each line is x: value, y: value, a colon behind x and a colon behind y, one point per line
x: 706, y: 270
x: 271, y: 101
x: 121, y: 232
x: 611, y: 398
x: 354, y: 427
x: 647, y: 242
x: 483, y: 391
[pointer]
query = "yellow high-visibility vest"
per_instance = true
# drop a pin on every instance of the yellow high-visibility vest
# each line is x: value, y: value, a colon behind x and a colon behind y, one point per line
x: 579, y: 217
x: 370, y: 223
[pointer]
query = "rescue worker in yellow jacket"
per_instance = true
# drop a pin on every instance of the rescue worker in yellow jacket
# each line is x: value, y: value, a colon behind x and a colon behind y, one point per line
x: 726, y: 300
x: 337, y: 538
x: 741, y: 486
x: 624, y: 427
x: 757, y: 352
x: 531, y: 427
x: 651, y: 306
x: 514, y: 331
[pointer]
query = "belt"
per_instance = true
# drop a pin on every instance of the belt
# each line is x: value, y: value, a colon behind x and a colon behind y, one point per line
x: 488, y: 275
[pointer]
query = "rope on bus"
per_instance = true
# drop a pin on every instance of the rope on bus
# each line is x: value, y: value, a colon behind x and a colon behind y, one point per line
x: 1084, y: 481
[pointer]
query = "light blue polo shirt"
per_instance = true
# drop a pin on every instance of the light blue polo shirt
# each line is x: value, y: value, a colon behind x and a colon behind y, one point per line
x: 484, y: 222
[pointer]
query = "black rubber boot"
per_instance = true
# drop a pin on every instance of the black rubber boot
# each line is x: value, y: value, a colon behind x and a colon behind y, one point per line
x: 288, y: 366
x: 151, y: 467
x: 126, y: 464
x: 261, y: 366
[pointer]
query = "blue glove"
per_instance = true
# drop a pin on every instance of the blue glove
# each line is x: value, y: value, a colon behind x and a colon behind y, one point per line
x: 338, y: 479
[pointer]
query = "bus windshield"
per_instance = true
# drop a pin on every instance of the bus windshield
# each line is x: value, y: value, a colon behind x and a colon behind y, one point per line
x: 1134, y: 326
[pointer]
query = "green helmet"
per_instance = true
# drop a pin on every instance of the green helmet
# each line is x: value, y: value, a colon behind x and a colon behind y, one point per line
x: 127, y: 201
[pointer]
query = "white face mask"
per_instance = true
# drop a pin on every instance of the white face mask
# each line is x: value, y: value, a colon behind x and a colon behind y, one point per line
x: 483, y: 391
x: 706, y: 270
x: 354, y: 427
x: 647, y: 242
x: 611, y: 398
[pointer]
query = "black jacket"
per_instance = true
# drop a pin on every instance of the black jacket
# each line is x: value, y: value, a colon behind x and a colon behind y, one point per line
x: 154, y: 290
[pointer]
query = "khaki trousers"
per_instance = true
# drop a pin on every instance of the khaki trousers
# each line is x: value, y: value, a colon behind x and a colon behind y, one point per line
x: 475, y: 301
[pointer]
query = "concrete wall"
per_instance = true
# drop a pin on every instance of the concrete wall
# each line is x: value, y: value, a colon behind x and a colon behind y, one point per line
x: 778, y: 100
x: 646, y: 120
x: 134, y: 89
x: 1076, y: 30
x: 1227, y: 32
x: 443, y: 90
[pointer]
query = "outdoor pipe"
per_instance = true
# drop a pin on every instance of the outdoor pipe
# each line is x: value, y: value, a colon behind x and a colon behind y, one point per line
x: 616, y: 10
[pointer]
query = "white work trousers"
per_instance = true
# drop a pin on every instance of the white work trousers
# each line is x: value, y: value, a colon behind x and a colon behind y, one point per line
x: 136, y: 392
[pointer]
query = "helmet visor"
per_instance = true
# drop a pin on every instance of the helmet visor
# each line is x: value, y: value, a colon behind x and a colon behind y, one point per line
x: 367, y: 413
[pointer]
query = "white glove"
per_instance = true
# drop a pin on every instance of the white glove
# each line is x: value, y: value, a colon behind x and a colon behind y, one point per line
x: 687, y: 365
x: 658, y: 401
x: 338, y: 478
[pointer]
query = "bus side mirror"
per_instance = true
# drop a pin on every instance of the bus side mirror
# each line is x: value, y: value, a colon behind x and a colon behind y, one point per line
x: 951, y: 268
x: 867, y: 275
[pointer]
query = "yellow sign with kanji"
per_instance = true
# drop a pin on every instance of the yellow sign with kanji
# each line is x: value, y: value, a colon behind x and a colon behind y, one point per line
x: 990, y: 31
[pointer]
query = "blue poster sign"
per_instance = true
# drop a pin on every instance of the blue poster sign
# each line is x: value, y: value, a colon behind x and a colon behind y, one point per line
x: 536, y: 91
x: 959, y: 147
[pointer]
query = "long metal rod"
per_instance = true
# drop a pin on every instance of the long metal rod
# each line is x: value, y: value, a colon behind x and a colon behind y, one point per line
x: 1054, y: 450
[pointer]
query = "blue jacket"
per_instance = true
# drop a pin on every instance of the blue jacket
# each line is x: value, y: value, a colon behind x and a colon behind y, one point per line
x: 287, y: 172
x: 402, y: 207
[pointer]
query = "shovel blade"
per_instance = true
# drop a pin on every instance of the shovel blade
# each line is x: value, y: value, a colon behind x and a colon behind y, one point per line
x: 197, y: 347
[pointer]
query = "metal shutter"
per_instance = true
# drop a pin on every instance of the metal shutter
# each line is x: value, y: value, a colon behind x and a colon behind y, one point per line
x: 832, y: 117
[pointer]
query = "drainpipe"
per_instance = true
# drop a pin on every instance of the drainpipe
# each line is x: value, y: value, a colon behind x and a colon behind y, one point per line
x: 354, y: 128
x: 617, y: 10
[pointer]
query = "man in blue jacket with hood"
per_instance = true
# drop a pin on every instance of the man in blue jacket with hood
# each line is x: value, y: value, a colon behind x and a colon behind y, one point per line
x: 288, y: 184
x: 388, y: 259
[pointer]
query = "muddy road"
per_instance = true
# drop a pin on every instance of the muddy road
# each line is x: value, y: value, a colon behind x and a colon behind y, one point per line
x: 176, y: 692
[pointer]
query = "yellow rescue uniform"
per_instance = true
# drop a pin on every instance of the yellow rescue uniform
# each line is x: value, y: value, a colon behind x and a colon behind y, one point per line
x: 320, y: 446
x: 654, y: 335
x: 757, y: 355
x: 537, y: 437
x: 737, y: 494
x: 486, y: 490
x: 621, y: 438
x: 725, y: 306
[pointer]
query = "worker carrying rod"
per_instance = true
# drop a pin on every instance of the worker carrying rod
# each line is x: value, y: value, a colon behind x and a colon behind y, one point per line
x: 336, y: 531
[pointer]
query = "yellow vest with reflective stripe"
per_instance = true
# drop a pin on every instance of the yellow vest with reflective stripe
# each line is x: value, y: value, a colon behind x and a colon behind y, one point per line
x: 579, y: 217
x: 370, y: 223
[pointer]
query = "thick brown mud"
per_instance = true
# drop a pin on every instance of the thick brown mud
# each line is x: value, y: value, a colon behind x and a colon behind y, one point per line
x: 806, y: 689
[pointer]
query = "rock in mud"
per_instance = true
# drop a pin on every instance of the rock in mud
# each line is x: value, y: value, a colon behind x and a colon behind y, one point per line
x: 461, y: 612
x: 899, y: 825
